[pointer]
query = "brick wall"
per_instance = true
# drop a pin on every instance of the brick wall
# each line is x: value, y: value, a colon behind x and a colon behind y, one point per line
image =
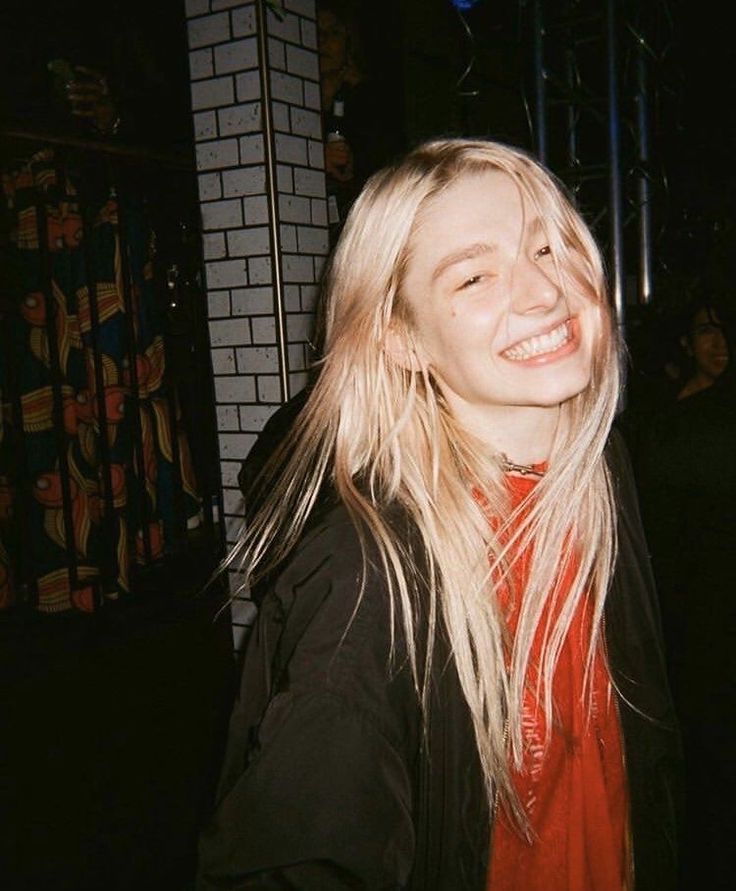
x: 258, y: 141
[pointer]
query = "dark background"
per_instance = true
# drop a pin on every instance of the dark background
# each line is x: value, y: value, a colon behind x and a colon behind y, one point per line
x: 110, y: 731
x: 416, y: 52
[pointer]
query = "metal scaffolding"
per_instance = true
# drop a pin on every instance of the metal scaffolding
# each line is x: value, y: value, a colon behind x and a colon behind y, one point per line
x: 591, y: 125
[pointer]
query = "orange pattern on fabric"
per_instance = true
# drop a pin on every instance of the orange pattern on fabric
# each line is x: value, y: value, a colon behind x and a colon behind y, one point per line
x: 574, y: 791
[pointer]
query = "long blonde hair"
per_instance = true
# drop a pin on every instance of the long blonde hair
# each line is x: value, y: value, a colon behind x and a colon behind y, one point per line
x: 382, y: 433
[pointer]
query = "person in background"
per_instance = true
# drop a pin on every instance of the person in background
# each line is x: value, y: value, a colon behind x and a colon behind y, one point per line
x: 456, y: 677
x: 686, y: 478
x: 704, y: 342
x: 359, y: 119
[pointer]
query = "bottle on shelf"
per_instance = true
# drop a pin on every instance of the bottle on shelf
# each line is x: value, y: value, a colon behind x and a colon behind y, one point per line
x: 334, y: 133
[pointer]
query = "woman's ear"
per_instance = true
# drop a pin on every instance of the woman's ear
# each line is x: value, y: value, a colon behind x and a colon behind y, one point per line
x: 402, y: 348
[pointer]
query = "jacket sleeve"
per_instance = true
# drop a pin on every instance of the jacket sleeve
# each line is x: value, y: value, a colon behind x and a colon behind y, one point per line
x: 316, y: 789
x: 651, y: 732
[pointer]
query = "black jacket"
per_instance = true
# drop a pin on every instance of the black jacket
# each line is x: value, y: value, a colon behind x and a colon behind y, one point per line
x: 329, y: 781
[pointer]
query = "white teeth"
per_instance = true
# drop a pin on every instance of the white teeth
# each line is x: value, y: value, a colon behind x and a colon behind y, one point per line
x: 541, y: 343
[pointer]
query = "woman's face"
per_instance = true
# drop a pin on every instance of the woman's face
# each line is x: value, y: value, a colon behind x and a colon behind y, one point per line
x: 489, y: 313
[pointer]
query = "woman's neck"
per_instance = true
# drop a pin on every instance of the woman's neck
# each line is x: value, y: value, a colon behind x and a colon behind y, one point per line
x: 523, y: 434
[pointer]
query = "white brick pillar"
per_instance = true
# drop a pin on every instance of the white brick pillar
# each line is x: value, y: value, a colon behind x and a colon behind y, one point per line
x: 260, y: 163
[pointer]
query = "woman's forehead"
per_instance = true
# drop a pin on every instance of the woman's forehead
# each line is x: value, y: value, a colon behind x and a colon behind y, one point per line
x: 490, y: 198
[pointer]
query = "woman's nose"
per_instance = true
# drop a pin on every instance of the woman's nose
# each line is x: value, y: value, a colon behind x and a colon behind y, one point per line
x: 533, y: 290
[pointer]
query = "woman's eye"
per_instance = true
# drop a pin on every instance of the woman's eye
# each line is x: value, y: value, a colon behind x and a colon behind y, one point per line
x: 545, y: 251
x: 469, y: 282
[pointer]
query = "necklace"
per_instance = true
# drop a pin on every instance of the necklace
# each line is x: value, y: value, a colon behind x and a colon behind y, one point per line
x: 523, y: 469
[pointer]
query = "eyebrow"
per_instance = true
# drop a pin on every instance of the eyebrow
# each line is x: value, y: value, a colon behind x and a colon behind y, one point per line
x: 467, y: 253
x: 533, y: 227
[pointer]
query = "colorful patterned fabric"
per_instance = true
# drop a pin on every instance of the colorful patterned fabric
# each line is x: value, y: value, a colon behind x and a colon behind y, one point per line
x: 89, y: 418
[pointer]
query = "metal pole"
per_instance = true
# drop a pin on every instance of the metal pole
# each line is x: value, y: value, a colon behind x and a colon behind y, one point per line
x: 616, y: 217
x: 644, y: 205
x: 271, y: 192
x: 540, y: 87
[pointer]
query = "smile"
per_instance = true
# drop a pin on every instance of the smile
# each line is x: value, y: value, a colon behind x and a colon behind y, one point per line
x: 540, y: 344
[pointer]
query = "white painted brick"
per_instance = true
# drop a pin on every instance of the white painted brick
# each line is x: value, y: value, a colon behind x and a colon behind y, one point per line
x: 216, y: 154
x: 309, y: 297
x: 306, y: 123
x: 254, y: 417
x: 269, y: 388
x: 227, y: 419
x: 316, y: 151
x: 218, y: 302
x: 229, y: 471
x: 234, y: 578
x: 319, y: 212
x: 290, y: 149
x: 208, y: 30
x: 280, y: 117
x: 252, y: 301
x: 248, y: 86
x: 196, y: 7
x: 297, y: 357
x: 288, y: 239
x: 235, y: 388
x: 294, y: 209
x: 285, y: 178
x: 212, y: 93
x: 248, y: 242
x: 301, y: 7
x: 225, y: 4
x: 243, y: 613
x: 319, y: 267
x: 299, y: 327
x: 255, y: 209
x: 292, y: 298
x: 298, y: 380
x: 210, y: 186
x: 226, y: 274
x: 229, y: 332
x: 258, y: 360
x: 222, y: 214
x: 244, y: 21
x: 312, y: 240
x: 297, y: 268
x: 302, y: 62
x: 200, y: 64
x: 260, y: 271
x: 309, y: 182
x: 232, y: 497
x: 312, y: 98
x: 238, y: 55
x: 309, y: 34
x: 287, y: 88
x: 276, y: 53
x: 223, y: 362
x: 244, y: 181
x: 263, y: 329
x: 251, y: 149
x: 213, y: 248
x: 205, y: 125
x: 233, y: 531
x: 239, y: 119
x: 235, y: 446
x: 285, y: 26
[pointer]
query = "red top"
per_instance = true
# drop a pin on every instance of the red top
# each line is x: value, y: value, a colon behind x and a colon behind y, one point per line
x: 574, y: 793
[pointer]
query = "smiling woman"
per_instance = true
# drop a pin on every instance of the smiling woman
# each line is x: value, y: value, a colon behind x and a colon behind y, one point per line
x: 496, y: 319
x: 431, y: 698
